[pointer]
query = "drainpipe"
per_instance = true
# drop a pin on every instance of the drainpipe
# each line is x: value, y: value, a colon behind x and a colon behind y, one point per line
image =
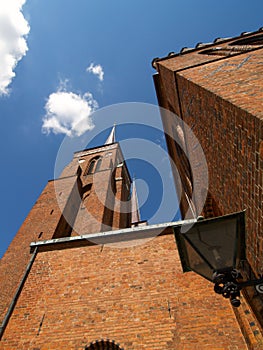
x: 16, y: 296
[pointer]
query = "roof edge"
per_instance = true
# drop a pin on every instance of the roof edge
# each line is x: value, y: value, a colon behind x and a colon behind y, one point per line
x: 198, y: 46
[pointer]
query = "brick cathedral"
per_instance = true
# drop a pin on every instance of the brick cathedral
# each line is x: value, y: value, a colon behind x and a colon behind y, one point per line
x: 84, y: 272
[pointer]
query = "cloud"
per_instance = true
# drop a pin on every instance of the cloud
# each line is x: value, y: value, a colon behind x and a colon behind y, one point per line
x: 13, y: 46
x: 96, y: 70
x: 69, y: 113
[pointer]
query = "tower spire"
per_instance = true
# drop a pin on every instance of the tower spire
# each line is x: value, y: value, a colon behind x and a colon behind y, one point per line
x: 135, y: 211
x: 111, y: 138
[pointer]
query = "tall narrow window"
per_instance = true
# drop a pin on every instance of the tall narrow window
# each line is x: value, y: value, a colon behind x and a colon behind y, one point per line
x: 91, y: 167
x: 94, y: 165
x: 98, y: 165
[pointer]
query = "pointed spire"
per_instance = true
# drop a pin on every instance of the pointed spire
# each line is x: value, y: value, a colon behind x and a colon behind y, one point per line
x: 135, y: 211
x: 111, y: 138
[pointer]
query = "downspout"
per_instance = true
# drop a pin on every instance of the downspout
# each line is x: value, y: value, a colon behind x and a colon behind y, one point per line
x: 16, y: 296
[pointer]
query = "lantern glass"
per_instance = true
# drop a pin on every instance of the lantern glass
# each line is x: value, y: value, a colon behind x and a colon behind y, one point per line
x: 213, y: 245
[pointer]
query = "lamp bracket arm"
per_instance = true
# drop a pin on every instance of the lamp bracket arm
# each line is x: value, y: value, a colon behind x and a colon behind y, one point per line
x: 250, y: 283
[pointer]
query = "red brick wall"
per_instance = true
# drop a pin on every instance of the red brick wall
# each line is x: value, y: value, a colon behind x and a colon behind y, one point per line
x: 40, y: 224
x: 219, y: 110
x: 46, y: 219
x: 222, y: 102
x: 220, y: 98
x: 137, y: 296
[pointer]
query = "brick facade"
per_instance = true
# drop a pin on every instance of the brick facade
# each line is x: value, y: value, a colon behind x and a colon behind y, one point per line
x: 105, y: 288
x: 216, y: 89
x: 65, y: 203
x: 78, y: 293
x: 15, y: 260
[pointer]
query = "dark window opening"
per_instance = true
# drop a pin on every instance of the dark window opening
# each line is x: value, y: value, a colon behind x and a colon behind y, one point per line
x: 91, y: 167
x: 103, y: 345
x: 94, y: 165
x: 98, y: 165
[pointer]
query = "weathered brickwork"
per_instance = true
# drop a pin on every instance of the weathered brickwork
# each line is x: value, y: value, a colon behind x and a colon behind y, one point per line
x: 236, y: 172
x: 221, y: 99
x: 137, y: 296
x: 74, y: 204
x: 40, y: 224
x: 222, y: 103
x: 110, y: 184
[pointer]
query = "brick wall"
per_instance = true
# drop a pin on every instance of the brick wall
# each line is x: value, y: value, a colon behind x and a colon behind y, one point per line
x: 220, y: 99
x: 137, y: 296
x: 219, y: 108
x: 65, y: 202
x: 40, y: 224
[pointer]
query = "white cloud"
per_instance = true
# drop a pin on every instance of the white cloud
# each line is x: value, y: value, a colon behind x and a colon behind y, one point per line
x: 96, y: 70
x: 69, y: 113
x: 13, y: 46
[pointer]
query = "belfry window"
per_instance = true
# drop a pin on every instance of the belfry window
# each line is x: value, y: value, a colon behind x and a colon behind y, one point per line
x: 98, y: 165
x: 94, y: 166
x: 91, y: 167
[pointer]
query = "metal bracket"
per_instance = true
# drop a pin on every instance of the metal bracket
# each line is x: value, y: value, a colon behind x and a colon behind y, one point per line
x: 227, y: 284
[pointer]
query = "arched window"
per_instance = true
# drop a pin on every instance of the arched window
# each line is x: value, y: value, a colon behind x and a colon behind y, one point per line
x: 94, y: 165
x: 98, y: 164
x: 103, y: 345
x: 91, y: 167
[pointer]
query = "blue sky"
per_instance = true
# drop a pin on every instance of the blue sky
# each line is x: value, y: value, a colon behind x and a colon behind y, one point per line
x: 67, y: 47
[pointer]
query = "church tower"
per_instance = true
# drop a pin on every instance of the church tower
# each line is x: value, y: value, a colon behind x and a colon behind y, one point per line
x: 91, y: 195
x: 103, y: 184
